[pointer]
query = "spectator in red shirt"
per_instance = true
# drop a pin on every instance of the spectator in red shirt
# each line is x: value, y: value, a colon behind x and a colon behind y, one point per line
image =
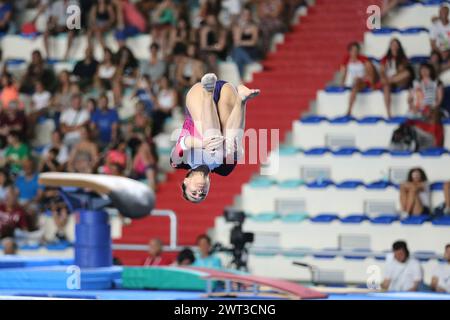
x: 395, y: 72
x: 12, y: 215
x: 12, y: 119
x: 155, y: 251
x: 357, y: 72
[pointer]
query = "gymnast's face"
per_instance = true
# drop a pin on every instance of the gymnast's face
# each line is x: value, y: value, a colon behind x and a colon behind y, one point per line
x: 196, y: 186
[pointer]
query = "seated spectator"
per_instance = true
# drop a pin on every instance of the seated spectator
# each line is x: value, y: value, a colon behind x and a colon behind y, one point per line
x: 185, y: 257
x: 106, y: 72
x: 53, y: 202
x: 155, y: 67
x: 9, y: 247
x: 205, y: 259
x: 101, y: 20
x: 15, y: 153
x: 9, y: 91
x: 439, y: 33
x: 155, y: 254
x: 105, y: 121
x: 57, y: 24
x: 84, y: 156
x: 6, y: 11
x: 213, y: 43
x: 144, y: 93
x: 181, y: 34
x: 37, y: 70
x: 426, y: 94
x: 58, y: 145
x: 395, y: 72
x: 139, y: 126
x: 86, y: 69
x: 116, y: 156
x: 40, y: 102
x: 72, y: 120
x: 447, y: 197
x: 12, y: 215
x: 49, y: 162
x: 62, y: 95
x: 389, y: 5
x: 415, y: 193
x: 126, y: 73
x: 440, y: 281
x: 245, y: 41
x: 145, y: 164
x: 30, y: 192
x: 164, y: 19
x: 189, y: 70
x: 5, y: 182
x: 357, y: 73
x: 166, y: 100
x: 402, y: 272
x: 438, y: 63
x: 270, y: 14
x: 12, y: 119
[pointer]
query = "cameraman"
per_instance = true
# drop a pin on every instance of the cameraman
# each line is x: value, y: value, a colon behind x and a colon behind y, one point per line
x: 204, y: 258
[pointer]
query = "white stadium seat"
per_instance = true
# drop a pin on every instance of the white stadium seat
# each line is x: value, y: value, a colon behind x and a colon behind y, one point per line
x: 414, y: 15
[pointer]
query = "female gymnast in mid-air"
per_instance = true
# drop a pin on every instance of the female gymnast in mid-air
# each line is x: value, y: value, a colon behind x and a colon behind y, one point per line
x: 212, y: 133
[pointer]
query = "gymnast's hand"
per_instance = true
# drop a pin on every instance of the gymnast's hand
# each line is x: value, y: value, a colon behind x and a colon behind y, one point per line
x: 213, y: 143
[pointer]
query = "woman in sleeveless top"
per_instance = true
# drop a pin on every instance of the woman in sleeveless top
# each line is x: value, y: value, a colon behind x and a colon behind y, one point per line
x: 101, y: 20
x: 84, y: 156
x: 212, y: 43
x: 245, y: 40
x: 106, y: 72
x: 211, y: 137
x: 166, y: 101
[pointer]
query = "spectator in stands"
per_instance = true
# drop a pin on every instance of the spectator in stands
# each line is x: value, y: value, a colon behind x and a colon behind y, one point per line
x: 270, y: 21
x: 9, y: 246
x: 402, y: 272
x: 439, y: 64
x: 126, y: 73
x: 144, y: 92
x: 9, y: 91
x: 155, y: 67
x: 49, y: 162
x: 57, y: 23
x: 447, y: 197
x: 101, y: 20
x: 440, y: 281
x: 440, y: 31
x: 63, y: 93
x: 166, y: 100
x: 40, y: 102
x: 105, y: 121
x: 30, y: 192
x: 190, y: 69
x: 155, y: 252
x: 37, y: 70
x: 415, y: 193
x: 139, y: 126
x: 106, y: 71
x: 6, y: 11
x: 86, y: 69
x: 204, y: 258
x: 145, y: 164
x: 357, y: 72
x: 84, y: 156
x: 185, y: 257
x: 213, y: 42
x: 245, y: 41
x: 181, y: 34
x: 57, y: 144
x: 72, y: 120
x: 426, y: 94
x: 164, y: 19
x: 12, y: 119
x: 16, y: 152
x: 12, y: 215
x: 116, y: 156
x: 5, y: 182
x: 395, y: 72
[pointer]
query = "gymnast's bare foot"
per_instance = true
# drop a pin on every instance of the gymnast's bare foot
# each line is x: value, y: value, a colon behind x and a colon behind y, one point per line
x: 247, y: 93
x: 209, y: 82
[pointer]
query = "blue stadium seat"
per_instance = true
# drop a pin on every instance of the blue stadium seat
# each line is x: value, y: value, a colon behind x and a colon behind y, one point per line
x: 348, y: 151
x: 350, y: 184
x: 30, y: 247
x: 294, y: 253
x: 441, y: 221
x: 288, y: 150
x: 265, y: 217
x: 400, y: 153
x: 419, y: 59
x: 354, y: 218
x: 288, y: 184
x: 342, y: 119
x: 385, y: 30
x: 14, y: 62
x: 382, y: 256
x: 294, y: 217
x: 374, y: 152
x: 415, y: 220
x: 437, y: 186
x: 60, y: 245
x: 359, y: 254
x: 313, y: 119
x: 378, y: 185
x: 424, y: 256
x: 335, y: 89
x: 320, y: 184
x: 413, y: 30
x: 316, y: 151
x: 370, y: 120
x: 396, y: 120
x: 261, y: 183
x: 325, y: 218
x: 326, y: 255
x: 384, y: 219
x: 433, y: 152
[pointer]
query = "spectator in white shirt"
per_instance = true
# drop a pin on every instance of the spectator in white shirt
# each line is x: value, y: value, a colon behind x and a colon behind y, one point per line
x: 402, y: 273
x: 40, y: 101
x: 72, y: 120
x: 440, y: 32
x: 440, y: 281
